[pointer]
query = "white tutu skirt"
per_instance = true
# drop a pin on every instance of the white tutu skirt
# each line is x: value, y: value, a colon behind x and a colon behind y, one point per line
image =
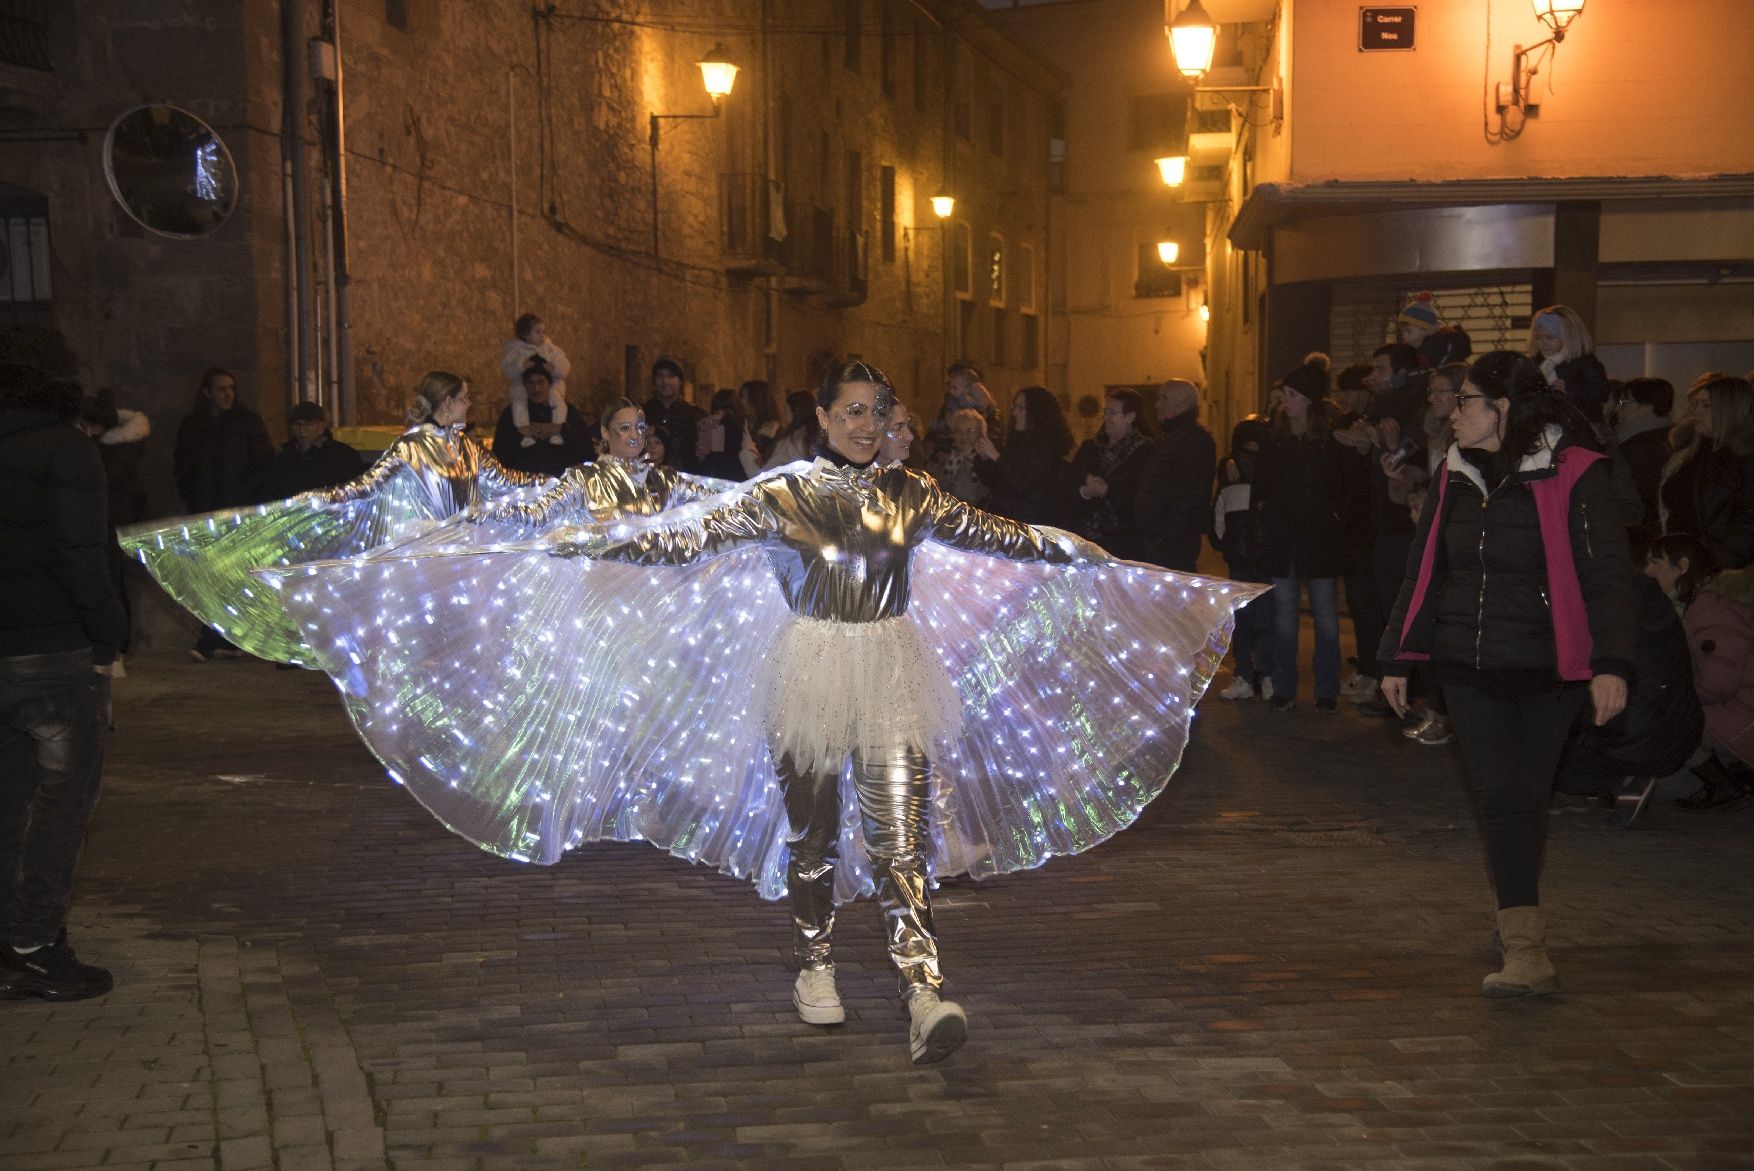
x: 834, y: 687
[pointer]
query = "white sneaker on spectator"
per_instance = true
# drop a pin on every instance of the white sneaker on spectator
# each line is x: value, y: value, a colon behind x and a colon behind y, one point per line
x: 815, y: 997
x: 1266, y: 687
x: 1239, y: 688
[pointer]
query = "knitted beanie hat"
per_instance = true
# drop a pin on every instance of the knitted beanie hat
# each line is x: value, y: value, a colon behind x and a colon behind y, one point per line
x: 1311, y: 378
x: 1420, y: 311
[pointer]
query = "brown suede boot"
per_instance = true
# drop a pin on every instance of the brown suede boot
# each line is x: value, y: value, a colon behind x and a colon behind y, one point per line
x: 1527, y: 970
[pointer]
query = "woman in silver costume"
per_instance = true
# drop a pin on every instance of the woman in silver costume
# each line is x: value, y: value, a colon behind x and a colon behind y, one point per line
x: 850, y: 675
x: 620, y: 483
x: 434, y: 471
x: 828, y: 611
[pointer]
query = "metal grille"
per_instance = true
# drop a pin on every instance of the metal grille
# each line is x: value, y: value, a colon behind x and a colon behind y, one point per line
x: 24, y: 34
x: 1362, y: 317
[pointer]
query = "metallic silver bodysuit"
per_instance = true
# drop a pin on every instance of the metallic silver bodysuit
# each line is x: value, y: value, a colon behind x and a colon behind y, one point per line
x: 840, y: 542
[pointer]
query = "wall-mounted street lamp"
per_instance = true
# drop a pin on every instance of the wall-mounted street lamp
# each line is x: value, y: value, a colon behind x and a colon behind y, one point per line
x: 943, y: 204
x: 1193, y: 41
x: 1556, y: 15
x: 1168, y: 251
x: 1173, y: 169
x: 1205, y: 309
x: 718, y: 74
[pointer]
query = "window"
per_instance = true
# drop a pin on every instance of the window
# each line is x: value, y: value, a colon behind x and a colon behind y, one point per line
x: 1158, y: 123
x: 995, y: 266
x: 852, y: 15
x: 1031, y: 351
x: 1023, y: 278
x: 885, y: 49
x: 396, y: 13
x: 855, y: 191
x: 24, y: 34
x: 996, y: 128
x: 962, y: 260
x: 965, y: 311
x: 962, y: 120
x: 1001, y: 336
x: 922, y: 39
x: 1156, y: 279
x: 24, y: 252
x: 886, y: 211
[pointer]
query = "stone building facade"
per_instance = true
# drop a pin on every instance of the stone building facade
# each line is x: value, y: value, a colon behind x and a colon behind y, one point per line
x: 498, y: 160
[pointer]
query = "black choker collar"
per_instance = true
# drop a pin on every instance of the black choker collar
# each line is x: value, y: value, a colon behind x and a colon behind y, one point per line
x: 840, y: 461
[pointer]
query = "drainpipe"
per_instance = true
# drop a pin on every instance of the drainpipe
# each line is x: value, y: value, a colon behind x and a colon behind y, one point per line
x: 302, y: 376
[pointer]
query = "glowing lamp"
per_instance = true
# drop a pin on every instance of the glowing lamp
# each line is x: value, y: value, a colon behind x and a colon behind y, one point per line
x: 1168, y: 250
x: 1205, y: 311
x: 943, y: 204
x: 1173, y: 169
x: 1558, y: 14
x: 718, y: 72
x: 1193, y: 39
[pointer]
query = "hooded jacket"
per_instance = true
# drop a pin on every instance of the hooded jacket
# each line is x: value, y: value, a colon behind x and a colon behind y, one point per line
x: 1528, y: 574
x: 55, y: 592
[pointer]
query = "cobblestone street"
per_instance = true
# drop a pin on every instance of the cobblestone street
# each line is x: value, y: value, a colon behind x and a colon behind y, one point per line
x: 1278, y: 967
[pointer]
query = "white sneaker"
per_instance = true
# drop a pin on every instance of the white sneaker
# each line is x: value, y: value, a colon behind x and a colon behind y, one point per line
x: 118, y: 669
x: 1266, y: 688
x: 1239, y: 689
x: 937, y: 1027
x: 815, y: 998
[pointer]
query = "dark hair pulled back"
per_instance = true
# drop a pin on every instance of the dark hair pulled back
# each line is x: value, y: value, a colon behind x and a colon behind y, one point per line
x: 1529, y: 404
x: 846, y: 373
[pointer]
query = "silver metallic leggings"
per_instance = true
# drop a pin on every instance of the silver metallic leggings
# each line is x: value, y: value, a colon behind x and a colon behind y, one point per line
x: 894, y: 793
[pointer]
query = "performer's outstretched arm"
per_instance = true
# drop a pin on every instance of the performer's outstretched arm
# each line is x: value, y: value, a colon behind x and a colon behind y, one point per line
x: 671, y: 538
x: 963, y: 526
x: 368, y: 483
x: 495, y: 479
x: 564, y: 501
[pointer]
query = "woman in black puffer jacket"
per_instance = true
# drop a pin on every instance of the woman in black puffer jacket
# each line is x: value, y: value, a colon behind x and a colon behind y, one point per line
x: 1519, y: 590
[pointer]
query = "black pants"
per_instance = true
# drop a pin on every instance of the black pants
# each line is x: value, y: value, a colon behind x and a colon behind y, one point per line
x: 1364, y: 601
x: 1510, y: 748
x: 1180, y: 553
x: 54, y: 721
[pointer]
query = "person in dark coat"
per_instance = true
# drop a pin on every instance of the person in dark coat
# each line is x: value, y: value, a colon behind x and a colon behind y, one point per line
x: 1723, y: 491
x: 1174, y: 501
x: 223, y: 451
x: 679, y: 418
x: 1663, y: 722
x: 1029, y: 479
x: 1519, y: 592
x: 60, y: 625
x: 1306, y: 486
x: 1105, y: 476
x: 121, y: 444
x: 542, y: 458
x: 222, y: 459
x: 1560, y: 342
x: 1641, y: 431
x: 313, y: 458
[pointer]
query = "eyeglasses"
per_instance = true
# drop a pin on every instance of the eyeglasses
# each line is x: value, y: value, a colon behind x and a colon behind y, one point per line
x: 1463, y: 399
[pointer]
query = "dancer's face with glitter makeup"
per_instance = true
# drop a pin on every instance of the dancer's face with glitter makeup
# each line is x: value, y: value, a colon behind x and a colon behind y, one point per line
x: 854, y: 424
x: 625, y: 433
